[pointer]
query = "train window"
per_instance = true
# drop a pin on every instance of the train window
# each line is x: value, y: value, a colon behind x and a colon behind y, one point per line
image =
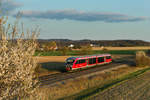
x: 81, y: 61
x: 108, y: 57
x: 92, y: 60
x: 70, y: 61
x: 100, y: 59
x: 77, y: 62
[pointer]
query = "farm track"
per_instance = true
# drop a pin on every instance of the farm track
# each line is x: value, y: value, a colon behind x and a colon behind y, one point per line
x: 50, y: 80
x: 137, y: 88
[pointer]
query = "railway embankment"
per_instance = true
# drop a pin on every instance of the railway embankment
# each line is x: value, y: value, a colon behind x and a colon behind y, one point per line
x: 56, y: 79
x: 76, y: 87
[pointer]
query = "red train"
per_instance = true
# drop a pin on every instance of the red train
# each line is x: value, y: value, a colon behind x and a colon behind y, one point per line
x: 87, y: 61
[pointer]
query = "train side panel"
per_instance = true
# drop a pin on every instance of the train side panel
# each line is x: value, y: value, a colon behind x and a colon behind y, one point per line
x: 108, y: 59
x: 81, y: 63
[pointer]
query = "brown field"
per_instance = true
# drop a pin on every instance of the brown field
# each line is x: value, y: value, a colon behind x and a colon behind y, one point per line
x: 50, y: 64
x: 43, y: 59
x: 122, y: 48
x: 132, y: 89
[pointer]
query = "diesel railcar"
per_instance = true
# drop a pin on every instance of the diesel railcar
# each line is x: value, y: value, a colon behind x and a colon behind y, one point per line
x: 73, y: 63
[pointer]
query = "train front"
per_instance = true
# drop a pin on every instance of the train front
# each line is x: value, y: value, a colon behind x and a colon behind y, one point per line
x: 69, y: 63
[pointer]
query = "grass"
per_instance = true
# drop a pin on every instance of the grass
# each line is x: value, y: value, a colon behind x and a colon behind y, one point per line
x: 123, y: 48
x: 83, y: 95
x: 76, y: 52
x: 78, y: 88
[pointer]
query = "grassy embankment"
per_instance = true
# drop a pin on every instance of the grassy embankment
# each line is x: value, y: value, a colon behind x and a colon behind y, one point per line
x: 88, y: 93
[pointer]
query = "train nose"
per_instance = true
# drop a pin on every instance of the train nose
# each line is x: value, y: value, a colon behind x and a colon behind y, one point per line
x: 68, y: 67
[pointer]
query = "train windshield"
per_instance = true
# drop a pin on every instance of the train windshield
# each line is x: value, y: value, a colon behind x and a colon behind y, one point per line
x: 70, y: 61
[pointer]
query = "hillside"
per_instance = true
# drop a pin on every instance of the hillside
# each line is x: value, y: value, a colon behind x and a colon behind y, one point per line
x: 114, y: 43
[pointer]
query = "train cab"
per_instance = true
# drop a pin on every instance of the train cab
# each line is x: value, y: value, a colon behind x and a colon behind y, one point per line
x: 69, y: 63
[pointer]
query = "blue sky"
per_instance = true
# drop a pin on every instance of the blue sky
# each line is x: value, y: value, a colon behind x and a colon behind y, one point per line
x: 86, y: 19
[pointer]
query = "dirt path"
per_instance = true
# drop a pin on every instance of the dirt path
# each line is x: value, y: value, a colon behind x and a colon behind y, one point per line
x: 137, y: 88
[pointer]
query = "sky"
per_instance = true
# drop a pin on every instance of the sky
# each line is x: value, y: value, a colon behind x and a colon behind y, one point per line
x: 83, y: 19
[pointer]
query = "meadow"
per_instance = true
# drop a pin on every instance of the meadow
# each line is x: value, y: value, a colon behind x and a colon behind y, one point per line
x: 123, y: 48
x: 77, y: 52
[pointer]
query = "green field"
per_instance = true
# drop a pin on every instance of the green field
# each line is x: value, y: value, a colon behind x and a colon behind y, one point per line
x: 76, y: 52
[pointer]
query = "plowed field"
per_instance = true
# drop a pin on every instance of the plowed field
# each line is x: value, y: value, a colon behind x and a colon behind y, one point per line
x: 137, y: 88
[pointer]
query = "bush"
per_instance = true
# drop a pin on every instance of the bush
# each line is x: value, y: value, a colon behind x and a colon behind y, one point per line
x: 17, y: 66
x: 142, y: 59
x: 64, y: 51
x: 148, y: 52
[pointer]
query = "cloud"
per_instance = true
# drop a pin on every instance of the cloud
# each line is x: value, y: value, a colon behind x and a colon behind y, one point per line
x: 8, y: 6
x: 81, y: 16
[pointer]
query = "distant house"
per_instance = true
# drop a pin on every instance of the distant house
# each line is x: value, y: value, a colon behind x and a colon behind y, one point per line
x: 91, y: 45
x: 94, y: 45
x: 53, y: 48
x: 71, y: 46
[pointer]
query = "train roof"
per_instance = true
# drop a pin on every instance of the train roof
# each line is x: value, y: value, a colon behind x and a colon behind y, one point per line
x: 89, y: 56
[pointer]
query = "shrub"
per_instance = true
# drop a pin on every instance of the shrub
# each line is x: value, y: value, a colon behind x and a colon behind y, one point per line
x: 17, y: 66
x: 64, y: 51
x: 148, y: 52
x: 142, y: 59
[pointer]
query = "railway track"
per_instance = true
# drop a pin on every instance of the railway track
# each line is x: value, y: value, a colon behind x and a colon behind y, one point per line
x: 51, y: 80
